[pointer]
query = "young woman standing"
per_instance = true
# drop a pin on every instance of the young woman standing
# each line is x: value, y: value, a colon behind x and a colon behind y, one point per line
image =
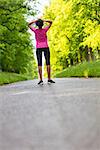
x: 42, y: 46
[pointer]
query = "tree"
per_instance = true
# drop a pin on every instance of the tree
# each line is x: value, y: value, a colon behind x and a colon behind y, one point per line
x: 16, y: 49
x: 75, y: 33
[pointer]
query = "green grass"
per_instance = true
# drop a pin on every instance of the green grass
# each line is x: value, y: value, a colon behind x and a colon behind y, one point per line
x: 6, y: 78
x: 82, y: 70
x: 85, y: 69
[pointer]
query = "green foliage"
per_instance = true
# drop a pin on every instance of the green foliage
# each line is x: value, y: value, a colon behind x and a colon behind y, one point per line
x: 16, y: 50
x: 86, y: 69
x: 6, y: 78
x: 75, y: 30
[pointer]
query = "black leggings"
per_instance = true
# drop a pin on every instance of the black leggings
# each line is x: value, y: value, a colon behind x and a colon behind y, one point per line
x: 46, y: 55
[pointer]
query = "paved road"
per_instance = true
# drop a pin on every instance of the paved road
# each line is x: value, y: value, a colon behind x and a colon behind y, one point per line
x: 61, y: 116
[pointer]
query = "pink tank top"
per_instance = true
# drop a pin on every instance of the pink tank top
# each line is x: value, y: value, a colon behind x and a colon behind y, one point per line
x: 41, y: 37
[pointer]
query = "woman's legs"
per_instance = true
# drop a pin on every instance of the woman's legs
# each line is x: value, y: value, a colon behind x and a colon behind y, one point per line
x: 47, y: 58
x: 39, y: 59
x: 49, y: 72
x: 40, y: 72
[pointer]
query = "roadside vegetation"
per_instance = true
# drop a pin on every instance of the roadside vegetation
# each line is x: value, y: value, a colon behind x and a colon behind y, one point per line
x: 16, y: 48
x: 6, y: 78
x: 75, y: 33
x: 85, y: 69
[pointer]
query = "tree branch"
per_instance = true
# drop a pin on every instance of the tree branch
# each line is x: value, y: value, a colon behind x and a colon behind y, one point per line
x: 68, y: 38
x: 4, y: 8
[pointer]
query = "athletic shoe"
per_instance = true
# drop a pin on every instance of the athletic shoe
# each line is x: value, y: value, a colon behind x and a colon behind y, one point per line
x: 40, y: 82
x: 51, y: 81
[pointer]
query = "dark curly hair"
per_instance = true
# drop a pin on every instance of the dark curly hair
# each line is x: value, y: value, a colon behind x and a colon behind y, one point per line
x: 39, y: 23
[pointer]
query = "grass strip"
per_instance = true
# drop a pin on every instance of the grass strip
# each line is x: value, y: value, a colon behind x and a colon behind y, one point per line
x: 7, y: 77
x: 86, y: 69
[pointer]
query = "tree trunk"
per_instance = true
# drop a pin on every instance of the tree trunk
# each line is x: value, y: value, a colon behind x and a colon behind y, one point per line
x: 89, y: 54
x: 98, y: 52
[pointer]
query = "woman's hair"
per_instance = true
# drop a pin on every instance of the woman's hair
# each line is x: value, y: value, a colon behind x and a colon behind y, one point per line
x: 39, y: 23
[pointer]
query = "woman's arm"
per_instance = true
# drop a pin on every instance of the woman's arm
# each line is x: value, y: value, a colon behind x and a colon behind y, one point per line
x: 34, y: 21
x: 48, y: 21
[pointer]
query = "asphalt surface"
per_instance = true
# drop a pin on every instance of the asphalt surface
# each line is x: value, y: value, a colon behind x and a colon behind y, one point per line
x: 61, y: 116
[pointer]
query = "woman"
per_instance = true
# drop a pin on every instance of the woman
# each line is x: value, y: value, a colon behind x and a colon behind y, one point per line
x: 42, y: 46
